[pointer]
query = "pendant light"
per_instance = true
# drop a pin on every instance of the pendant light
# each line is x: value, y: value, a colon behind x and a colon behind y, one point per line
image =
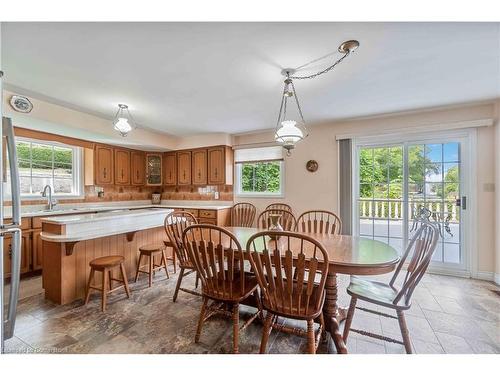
x: 291, y: 127
x: 123, y: 122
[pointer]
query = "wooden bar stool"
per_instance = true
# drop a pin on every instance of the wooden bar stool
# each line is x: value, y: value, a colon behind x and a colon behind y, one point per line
x: 150, y: 250
x: 106, y: 265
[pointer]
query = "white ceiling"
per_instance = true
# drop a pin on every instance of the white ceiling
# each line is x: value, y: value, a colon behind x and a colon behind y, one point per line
x: 190, y: 78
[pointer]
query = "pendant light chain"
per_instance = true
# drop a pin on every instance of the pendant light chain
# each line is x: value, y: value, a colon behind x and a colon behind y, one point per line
x: 322, y: 71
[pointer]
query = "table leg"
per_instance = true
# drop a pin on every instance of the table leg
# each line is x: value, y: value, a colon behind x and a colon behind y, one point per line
x: 330, y: 311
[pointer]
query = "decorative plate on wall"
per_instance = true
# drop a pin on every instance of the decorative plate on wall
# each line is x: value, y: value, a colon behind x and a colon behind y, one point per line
x: 21, y: 103
x: 312, y: 166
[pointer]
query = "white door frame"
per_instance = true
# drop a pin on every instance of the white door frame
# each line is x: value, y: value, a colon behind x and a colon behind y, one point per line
x: 468, y: 139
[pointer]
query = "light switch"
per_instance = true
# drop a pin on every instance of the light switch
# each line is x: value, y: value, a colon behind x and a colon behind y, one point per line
x: 489, y: 187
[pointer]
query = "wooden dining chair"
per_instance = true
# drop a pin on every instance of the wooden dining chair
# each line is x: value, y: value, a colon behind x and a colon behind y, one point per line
x: 418, y: 253
x: 319, y: 221
x: 287, y: 289
x: 286, y: 220
x: 218, y: 258
x: 279, y: 206
x: 243, y: 215
x: 174, y: 224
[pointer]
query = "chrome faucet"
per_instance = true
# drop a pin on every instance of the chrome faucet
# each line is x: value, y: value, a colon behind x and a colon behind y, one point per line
x: 50, y: 202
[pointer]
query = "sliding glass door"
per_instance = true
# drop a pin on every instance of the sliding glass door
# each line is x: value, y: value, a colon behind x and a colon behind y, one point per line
x: 396, y: 183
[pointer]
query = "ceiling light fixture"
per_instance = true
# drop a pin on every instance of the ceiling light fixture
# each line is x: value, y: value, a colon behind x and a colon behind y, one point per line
x: 291, y: 128
x: 123, y: 122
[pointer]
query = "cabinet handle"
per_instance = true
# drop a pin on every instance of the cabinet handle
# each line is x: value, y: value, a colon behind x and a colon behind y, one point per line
x: 184, y: 174
x: 137, y: 174
x: 199, y: 175
x: 104, y: 172
x: 10, y: 251
x: 122, y: 174
x: 170, y: 175
x: 215, y: 172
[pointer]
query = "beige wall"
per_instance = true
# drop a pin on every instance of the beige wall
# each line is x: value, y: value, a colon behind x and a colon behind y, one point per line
x: 305, y: 190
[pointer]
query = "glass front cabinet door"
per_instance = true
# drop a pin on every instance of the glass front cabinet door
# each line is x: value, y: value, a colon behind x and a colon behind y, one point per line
x: 153, y: 173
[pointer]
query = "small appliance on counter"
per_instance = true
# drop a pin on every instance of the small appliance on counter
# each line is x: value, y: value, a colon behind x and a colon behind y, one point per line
x: 156, y: 198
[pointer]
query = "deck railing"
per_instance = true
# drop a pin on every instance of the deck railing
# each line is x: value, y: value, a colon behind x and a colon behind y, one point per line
x: 393, y: 209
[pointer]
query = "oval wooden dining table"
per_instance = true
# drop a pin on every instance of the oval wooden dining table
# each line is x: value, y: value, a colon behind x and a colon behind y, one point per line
x: 347, y: 255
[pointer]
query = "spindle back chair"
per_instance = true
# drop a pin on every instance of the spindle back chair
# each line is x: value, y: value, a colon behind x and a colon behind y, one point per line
x: 219, y: 261
x: 174, y: 224
x: 287, y: 269
x: 416, y: 258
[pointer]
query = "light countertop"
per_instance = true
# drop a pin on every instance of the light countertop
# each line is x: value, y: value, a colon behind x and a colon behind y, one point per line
x: 106, y: 206
x: 83, y: 227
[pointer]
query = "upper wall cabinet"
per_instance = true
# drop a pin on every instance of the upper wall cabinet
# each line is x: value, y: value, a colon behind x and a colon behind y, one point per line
x: 220, y: 165
x: 153, y: 169
x: 122, y: 167
x: 184, y: 168
x: 138, y: 167
x: 103, y: 165
x: 170, y: 169
x: 199, y: 166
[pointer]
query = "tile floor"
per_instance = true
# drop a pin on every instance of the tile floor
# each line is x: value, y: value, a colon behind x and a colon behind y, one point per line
x: 449, y: 315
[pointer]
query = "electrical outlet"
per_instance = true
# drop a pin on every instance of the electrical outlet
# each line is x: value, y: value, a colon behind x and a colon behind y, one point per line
x: 216, y: 195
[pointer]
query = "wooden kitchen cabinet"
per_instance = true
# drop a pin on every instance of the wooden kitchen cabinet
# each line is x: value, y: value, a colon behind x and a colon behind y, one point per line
x: 170, y: 169
x: 199, y: 167
x: 25, y: 253
x: 220, y: 165
x: 184, y: 168
x: 137, y: 167
x: 37, y: 249
x: 103, y: 165
x: 153, y: 169
x: 122, y: 167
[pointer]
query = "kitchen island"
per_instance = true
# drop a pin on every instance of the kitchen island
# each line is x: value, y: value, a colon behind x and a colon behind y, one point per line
x: 71, y: 242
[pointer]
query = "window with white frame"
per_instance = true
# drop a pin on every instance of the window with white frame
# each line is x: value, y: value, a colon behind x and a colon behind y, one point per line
x: 259, y: 171
x: 44, y: 163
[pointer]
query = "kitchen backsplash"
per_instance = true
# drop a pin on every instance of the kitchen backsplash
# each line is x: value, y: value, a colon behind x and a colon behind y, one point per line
x: 114, y: 193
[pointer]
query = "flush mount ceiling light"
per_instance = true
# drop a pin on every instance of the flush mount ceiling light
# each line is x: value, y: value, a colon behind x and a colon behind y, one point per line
x: 123, y: 122
x: 291, y: 126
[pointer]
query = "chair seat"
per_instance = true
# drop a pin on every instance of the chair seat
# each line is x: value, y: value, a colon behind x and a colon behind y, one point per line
x: 283, y: 308
x: 107, y: 261
x: 231, y: 290
x: 152, y: 248
x: 375, y: 292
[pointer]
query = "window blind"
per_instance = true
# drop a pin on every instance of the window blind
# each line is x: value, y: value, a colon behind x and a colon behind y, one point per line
x: 259, y: 154
x: 345, y: 185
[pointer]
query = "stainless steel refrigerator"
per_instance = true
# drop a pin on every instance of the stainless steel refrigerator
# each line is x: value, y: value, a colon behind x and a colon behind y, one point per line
x: 9, y: 290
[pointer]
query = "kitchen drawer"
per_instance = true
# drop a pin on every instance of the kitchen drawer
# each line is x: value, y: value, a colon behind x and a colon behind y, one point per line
x: 192, y: 211
x: 207, y: 221
x: 209, y: 214
x: 25, y: 222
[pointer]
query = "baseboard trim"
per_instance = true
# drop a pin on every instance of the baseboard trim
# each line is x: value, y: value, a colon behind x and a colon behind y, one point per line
x: 479, y: 275
x: 484, y: 275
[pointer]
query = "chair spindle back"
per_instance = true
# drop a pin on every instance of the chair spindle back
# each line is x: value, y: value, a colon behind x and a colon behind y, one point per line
x: 243, y: 215
x: 286, y: 220
x: 279, y: 206
x: 286, y: 270
x: 174, y: 224
x: 419, y: 253
x: 319, y: 221
x: 218, y: 258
